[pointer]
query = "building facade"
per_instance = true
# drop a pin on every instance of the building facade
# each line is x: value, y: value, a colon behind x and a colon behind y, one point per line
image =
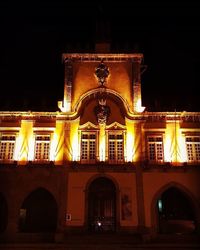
x: 101, y: 163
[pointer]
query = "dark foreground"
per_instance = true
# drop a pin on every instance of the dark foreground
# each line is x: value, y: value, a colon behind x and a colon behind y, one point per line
x: 111, y: 242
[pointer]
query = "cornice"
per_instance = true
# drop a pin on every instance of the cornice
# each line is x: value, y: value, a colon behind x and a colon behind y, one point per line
x: 96, y: 57
x: 146, y: 116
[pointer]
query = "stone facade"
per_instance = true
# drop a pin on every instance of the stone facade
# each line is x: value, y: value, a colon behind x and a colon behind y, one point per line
x: 101, y: 163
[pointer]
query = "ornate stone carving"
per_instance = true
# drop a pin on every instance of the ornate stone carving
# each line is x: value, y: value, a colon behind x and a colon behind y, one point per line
x: 102, y: 111
x: 102, y: 73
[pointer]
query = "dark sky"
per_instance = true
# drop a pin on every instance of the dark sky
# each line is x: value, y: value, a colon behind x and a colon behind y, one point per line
x: 34, y: 35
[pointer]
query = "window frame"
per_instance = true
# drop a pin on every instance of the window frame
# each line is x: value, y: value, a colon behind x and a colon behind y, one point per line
x: 36, y: 142
x: 88, y: 140
x: 195, y: 152
x: 115, y: 140
x: 8, y: 143
x: 156, y: 144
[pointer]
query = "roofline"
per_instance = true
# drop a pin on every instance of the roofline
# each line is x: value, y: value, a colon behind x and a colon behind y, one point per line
x: 100, y: 56
x: 187, y: 116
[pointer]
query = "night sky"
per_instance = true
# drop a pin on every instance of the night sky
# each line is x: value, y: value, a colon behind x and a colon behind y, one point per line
x: 34, y: 34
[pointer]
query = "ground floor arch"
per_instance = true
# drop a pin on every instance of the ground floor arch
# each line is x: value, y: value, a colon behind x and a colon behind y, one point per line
x: 3, y: 213
x: 38, y: 212
x: 101, y: 205
x: 175, y: 212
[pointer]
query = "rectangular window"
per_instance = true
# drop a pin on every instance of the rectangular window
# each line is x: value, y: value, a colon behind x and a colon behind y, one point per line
x: 155, y: 148
x: 115, y: 148
x: 42, y: 147
x: 7, y: 146
x: 193, y: 148
x: 88, y: 147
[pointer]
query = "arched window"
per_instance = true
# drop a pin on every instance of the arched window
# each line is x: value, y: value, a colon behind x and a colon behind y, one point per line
x: 38, y: 212
x: 175, y: 212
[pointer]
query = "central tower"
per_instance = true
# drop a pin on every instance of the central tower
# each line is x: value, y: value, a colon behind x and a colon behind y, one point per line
x: 118, y: 73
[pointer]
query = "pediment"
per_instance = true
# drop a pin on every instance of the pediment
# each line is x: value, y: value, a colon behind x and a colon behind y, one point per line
x: 116, y: 126
x: 88, y: 125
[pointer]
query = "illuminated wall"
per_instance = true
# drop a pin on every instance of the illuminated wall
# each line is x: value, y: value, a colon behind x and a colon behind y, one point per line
x: 65, y: 138
x: 123, y: 78
x: 57, y: 143
x: 174, y: 143
x: 118, y: 80
x: 24, y: 142
x: 83, y: 91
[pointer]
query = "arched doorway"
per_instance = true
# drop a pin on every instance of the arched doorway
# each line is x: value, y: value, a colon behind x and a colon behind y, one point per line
x: 102, y: 205
x: 38, y: 212
x: 175, y: 212
x: 3, y: 214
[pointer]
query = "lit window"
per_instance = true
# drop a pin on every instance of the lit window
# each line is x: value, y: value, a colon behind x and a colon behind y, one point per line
x: 42, y: 147
x: 155, y: 148
x: 7, y: 145
x: 193, y: 148
x: 88, y: 147
x: 115, y: 147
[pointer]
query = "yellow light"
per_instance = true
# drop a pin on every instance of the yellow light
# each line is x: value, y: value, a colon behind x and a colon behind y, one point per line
x: 167, y: 149
x: 57, y: 142
x: 169, y: 142
x: 54, y: 143
x: 75, y: 140
x: 102, y: 142
x: 182, y: 152
x: 174, y: 143
x: 131, y: 144
x: 66, y: 107
x: 31, y: 148
x: 18, y: 144
x: 23, y: 147
x: 139, y: 108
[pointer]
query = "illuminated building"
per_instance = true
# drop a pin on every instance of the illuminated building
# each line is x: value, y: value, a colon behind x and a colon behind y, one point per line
x: 102, y: 162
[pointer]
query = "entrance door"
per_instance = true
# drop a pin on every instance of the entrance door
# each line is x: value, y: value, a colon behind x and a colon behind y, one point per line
x: 102, y: 205
x: 175, y: 211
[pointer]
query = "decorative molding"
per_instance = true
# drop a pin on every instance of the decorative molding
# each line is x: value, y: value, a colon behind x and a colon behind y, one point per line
x: 88, y: 125
x: 116, y: 125
x: 102, y: 111
x: 136, y: 57
x: 102, y: 72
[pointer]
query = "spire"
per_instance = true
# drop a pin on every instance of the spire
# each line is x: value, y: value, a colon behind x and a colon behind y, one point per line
x: 103, y: 33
